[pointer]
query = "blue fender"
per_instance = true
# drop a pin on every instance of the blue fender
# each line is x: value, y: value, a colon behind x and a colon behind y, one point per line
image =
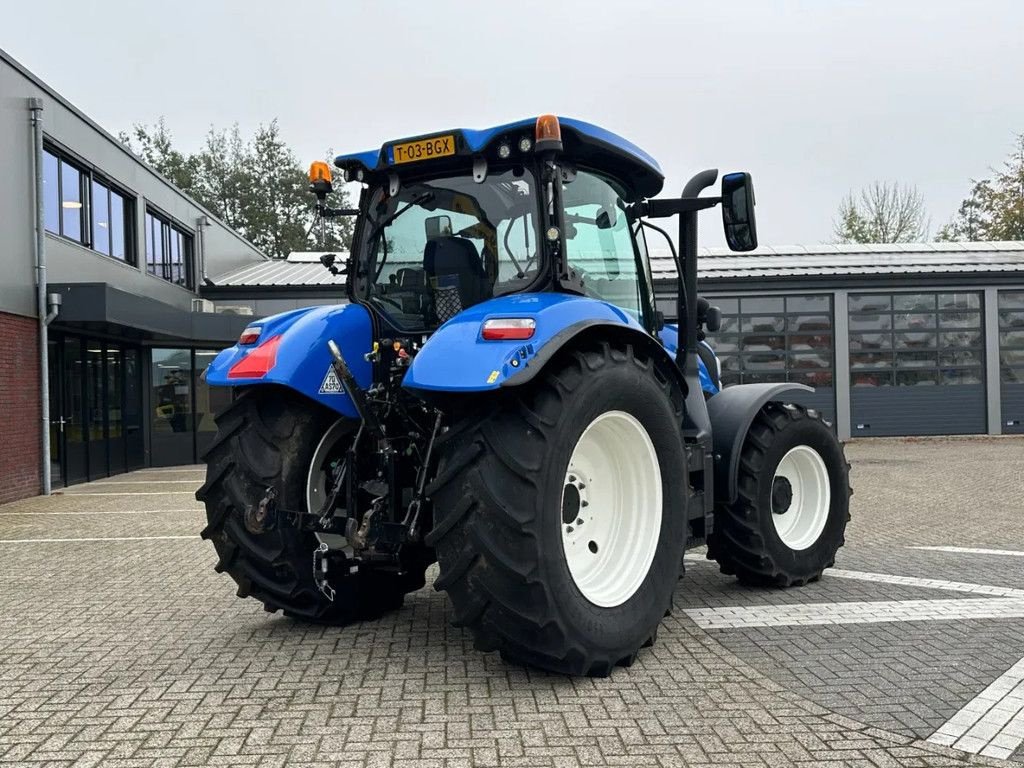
x: 457, y: 359
x: 669, y: 336
x: 303, y: 362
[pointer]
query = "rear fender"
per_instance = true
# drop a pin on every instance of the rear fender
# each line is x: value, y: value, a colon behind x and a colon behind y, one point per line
x: 457, y: 359
x: 669, y: 336
x: 303, y: 361
x: 732, y: 411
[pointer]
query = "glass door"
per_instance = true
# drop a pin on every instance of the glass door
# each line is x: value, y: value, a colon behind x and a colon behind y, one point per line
x: 173, y: 433
x: 134, y: 438
x: 56, y: 413
x: 76, y: 467
x: 115, y: 409
x: 95, y: 410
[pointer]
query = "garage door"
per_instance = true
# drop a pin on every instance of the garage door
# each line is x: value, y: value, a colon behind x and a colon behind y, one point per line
x: 1011, y: 359
x: 917, y: 364
x: 779, y: 338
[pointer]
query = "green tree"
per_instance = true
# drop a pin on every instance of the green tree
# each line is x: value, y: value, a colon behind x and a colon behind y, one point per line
x: 994, y: 209
x: 156, y: 146
x: 971, y: 221
x: 257, y: 186
x: 882, y: 213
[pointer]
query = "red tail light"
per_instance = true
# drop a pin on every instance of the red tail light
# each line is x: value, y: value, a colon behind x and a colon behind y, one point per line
x: 257, y: 363
x: 508, y: 329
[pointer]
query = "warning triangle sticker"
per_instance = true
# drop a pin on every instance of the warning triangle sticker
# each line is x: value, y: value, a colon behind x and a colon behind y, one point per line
x: 332, y: 384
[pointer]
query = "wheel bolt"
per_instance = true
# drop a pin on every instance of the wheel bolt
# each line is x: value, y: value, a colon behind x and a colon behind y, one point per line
x: 579, y: 521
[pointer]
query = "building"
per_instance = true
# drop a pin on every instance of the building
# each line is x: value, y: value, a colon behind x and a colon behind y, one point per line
x: 909, y: 339
x: 142, y: 287
x: 126, y: 253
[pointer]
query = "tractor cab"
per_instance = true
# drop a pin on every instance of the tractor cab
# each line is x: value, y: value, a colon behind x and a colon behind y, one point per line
x: 450, y: 220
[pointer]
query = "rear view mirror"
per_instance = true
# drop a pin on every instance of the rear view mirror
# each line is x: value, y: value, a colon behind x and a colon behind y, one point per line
x: 438, y: 226
x: 738, y: 211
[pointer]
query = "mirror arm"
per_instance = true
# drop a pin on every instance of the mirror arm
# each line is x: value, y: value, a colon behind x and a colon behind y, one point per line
x: 660, y: 208
x: 327, y: 212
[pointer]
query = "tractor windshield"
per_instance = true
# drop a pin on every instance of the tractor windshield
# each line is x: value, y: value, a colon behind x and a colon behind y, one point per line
x: 442, y: 245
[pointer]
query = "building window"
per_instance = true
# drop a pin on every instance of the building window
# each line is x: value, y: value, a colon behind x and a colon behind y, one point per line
x: 775, y: 339
x: 81, y: 205
x: 916, y: 339
x: 1011, y: 336
x: 169, y: 250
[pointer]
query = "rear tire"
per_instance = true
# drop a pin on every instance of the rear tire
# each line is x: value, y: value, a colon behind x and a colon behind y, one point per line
x: 789, y: 518
x: 266, y: 439
x: 503, y: 503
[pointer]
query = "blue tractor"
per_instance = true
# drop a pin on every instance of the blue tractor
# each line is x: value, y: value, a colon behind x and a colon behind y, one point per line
x: 501, y: 395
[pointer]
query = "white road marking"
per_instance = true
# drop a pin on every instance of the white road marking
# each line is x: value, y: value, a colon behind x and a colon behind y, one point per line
x: 974, y: 551
x: 874, y: 612
x: 104, y: 512
x: 106, y: 538
x: 126, y: 493
x: 140, y: 482
x: 182, y: 468
x: 910, y: 581
x: 914, y: 581
x: 992, y: 723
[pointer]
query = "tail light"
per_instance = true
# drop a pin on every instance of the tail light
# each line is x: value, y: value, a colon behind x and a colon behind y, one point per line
x: 508, y: 329
x: 257, y: 363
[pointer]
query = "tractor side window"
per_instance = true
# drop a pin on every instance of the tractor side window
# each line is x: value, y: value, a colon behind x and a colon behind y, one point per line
x: 599, y: 243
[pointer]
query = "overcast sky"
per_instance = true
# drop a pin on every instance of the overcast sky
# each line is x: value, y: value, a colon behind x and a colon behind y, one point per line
x: 814, y: 98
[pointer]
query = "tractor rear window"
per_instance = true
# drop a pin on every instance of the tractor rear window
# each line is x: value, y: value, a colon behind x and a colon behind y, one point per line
x: 442, y: 245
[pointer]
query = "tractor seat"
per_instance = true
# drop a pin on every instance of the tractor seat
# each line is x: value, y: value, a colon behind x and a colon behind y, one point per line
x: 454, y: 261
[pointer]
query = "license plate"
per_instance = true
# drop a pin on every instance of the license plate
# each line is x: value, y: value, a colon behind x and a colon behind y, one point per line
x: 423, y: 149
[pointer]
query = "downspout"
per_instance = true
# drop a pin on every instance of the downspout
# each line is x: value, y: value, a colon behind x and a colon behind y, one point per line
x: 201, y: 224
x: 47, y: 310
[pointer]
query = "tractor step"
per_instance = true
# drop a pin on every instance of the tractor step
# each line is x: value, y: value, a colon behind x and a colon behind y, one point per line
x: 700, y: 488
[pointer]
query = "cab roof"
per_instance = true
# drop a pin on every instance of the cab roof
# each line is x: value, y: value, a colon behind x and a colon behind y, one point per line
x: 584, y: 143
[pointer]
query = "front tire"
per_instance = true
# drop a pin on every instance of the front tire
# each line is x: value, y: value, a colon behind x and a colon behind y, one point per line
x: 789, y: 518
x: 561, y: 518
x: 267, y: 439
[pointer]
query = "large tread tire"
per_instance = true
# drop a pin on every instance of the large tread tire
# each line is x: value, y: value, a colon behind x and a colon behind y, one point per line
x: 497, y: 504
x: 266, y: 439
x: 744, y: 539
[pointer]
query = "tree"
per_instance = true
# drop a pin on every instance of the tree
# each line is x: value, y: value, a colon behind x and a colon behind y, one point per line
x: 257, y: 187
x: 882, y: 213
x: 994, y: 209
x: 971, y: 221
x: 155, y: 146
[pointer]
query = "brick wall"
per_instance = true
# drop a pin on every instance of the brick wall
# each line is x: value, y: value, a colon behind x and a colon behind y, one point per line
x: 20, y: 407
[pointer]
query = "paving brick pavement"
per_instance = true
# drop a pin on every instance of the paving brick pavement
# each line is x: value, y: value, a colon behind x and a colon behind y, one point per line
x: 134, y: 653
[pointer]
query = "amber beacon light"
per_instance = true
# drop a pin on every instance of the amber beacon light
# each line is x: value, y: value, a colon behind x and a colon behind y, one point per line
x: 319, y: 171
x: 549, y: 134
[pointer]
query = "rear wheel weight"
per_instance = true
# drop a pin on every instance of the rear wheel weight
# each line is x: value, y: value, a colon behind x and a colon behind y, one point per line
x: 267, y: 438
x: 596, y: 440
x: 792, y: 507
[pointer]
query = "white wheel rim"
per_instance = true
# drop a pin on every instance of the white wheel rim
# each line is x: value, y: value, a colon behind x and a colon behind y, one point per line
x: 316, y: 478
x: 611, y: 509
x: 800, y: 523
